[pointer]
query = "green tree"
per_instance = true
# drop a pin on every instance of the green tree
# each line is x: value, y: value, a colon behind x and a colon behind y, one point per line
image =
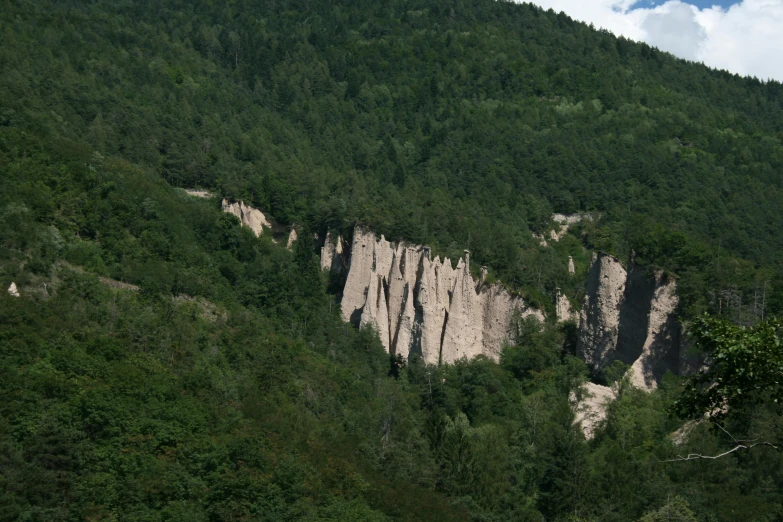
x: 743, y: 367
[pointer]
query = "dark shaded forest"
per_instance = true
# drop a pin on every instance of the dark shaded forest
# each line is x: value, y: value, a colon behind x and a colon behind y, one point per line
x: 163, y: 363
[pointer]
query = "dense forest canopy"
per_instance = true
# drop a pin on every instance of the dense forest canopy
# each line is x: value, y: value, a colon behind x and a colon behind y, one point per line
x: 163, y: 363
x: 456, y: 124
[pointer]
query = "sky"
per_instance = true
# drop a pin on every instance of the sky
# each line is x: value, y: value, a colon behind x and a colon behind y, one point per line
x: 741, y: 36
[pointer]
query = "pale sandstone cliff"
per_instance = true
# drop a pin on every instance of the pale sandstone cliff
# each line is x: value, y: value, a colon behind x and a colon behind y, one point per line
x: 403, y: 277
x: 292, y: 236
x: 560, y: 234
x: 12, y: 290
x: 599, y: 322
x: 249, y: 217
x: 660, y: 351
x: 563, y: 308
x: 375, y: 311
x: 362, y: 268
x: 426, y: 307
x: 541, y: 239
x: 569, y: 219
x: 434, y: 299
x: 463, y: 334
x: 591, y: 409
x: 630, y: 316
x: 423, y: 306
x: 565, y: 221
x: 332, y: 254
x: 499, y: 308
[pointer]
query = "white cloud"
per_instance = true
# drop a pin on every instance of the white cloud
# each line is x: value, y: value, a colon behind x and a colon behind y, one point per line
x: 675, y: 30
x: 746, y: 38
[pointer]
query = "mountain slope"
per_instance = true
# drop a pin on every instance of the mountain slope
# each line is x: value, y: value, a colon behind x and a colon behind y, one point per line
x: 227, y: 385
x: 451, y: 124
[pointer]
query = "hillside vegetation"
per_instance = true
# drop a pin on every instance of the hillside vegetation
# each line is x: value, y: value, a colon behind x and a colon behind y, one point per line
x: 223, y: 385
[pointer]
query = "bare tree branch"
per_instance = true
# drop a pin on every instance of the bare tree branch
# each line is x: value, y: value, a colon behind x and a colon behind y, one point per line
x: 699, y: 456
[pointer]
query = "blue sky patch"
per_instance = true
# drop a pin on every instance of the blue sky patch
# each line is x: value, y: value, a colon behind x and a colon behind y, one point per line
x: 701, y: 4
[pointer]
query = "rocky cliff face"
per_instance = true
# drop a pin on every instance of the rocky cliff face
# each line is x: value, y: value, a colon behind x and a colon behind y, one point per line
x: 423, y: 306
x: 599, y: 322
x: 332, y: 257
x: 591, y: 409
x: 563, y: 308
x: 248, y: 216
x: 661, y: 349
x: 427, y: 307
x: 631, y: 317
x: 292, y: 237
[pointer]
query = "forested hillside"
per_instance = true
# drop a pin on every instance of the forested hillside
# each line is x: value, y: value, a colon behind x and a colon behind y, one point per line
x: 448, y: 123
x: 163, y: 363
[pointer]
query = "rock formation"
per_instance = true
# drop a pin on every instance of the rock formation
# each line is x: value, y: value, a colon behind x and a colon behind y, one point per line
x: 565, y: 221
x: 628, y: 316
x: 292, y: 236
x: 423, y: 306
x: 12, y: 290
x: 600, y: 318
x: 631, y: 317
x: 563, y: 308
x: 660, y: 351
x: 434, y: 299
x: 570, y: 219
x: 571, y: 269
x: 560, y: 234
x: 332, y: 254
x: 541, y: 239
x: 248, y: 216
x: 462, y: 336
x: 591, y: 409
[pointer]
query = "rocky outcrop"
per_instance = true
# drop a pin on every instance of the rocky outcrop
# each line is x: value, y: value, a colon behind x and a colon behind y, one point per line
x: 12, y: 290
x: 630, y: 316
x: 432, y: 303
x: 292, y: 236
x: 359, y: 275
x: 571, y: 269
x: 541, y: 239
x: 463, y: 334
x: 590, y: 409
x: 375, y: 311
x: 557, y: 235
x: 680, y: 436
x: 332, y: 254
x: 423, y: 306
x: 599, y: 322
x: 563, y: 308
x: 569, y: 219
x: 661, y: 349
x: 499, y: 308
x: 248, y: 216
x: 564, y: 221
